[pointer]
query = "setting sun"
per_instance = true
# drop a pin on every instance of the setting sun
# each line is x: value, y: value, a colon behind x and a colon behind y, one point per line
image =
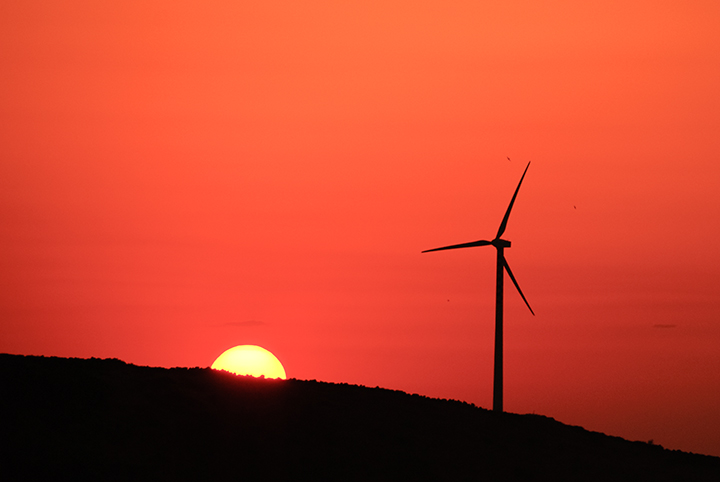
x: 250, y: 360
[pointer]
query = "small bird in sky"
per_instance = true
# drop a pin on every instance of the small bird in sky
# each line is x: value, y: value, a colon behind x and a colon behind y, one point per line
x: 508, y: 158
x: 574, y: 207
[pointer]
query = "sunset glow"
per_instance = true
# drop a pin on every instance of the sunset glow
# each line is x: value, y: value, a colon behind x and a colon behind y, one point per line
x: 250, y: 360
x: 179, y: 177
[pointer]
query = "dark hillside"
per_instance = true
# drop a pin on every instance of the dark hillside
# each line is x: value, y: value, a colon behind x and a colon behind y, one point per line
x: 107, y: 420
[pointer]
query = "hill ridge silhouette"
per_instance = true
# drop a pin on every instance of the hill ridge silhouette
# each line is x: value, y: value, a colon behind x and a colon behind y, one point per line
x: 105, y: 419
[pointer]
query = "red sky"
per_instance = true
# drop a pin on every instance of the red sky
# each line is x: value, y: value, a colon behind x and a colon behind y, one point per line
x: 177, y: 178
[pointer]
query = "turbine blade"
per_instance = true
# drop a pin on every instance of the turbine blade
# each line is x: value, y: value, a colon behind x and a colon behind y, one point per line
x: 503, y: 224
x: 507, y: 268
x: 463, y: 245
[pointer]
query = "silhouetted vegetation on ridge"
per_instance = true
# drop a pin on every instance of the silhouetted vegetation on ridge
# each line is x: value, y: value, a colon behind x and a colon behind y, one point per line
x: 108, y: 420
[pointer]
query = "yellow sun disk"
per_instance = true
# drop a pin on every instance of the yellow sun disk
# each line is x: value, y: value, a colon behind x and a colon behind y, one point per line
x: 250, y: 360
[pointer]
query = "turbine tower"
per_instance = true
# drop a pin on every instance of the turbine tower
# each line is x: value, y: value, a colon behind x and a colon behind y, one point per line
x: 502, y: 265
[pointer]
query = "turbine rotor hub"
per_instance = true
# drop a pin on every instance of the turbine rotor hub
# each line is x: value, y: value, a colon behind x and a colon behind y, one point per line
x: 500, y: 243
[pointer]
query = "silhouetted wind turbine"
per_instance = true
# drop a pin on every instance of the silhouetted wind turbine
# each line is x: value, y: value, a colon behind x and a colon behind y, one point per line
x: 502, y: 265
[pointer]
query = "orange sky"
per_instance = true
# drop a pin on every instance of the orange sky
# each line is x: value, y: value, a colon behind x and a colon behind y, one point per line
x: 181, y: 177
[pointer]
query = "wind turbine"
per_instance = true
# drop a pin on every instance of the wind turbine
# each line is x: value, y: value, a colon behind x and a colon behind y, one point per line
x: 502, y: 265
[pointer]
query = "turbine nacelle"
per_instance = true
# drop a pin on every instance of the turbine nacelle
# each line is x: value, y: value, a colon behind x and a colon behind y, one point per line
x: 500, y: 243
